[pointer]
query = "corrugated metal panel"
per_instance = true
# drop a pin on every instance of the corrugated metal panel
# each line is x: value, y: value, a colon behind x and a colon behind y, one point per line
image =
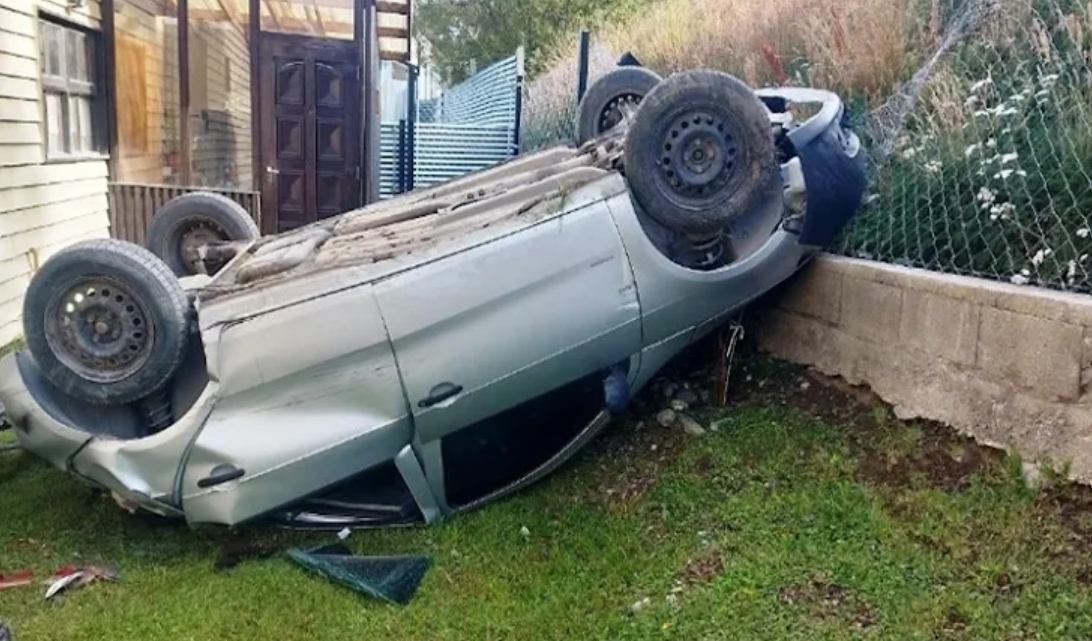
x: 487, y: 98
x: 473, y: 127
x: 443, y: 152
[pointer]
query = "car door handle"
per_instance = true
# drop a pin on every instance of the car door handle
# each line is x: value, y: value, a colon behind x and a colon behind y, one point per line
x: 220, y: 474
x: 439, y: 394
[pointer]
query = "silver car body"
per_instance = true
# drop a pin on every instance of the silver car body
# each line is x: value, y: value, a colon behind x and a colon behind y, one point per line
x: 319, y: 348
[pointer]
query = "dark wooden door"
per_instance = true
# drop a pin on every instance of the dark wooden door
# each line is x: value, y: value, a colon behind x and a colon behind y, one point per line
x: 310, y: 127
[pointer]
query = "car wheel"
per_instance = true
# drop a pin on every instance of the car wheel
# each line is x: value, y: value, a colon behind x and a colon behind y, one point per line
x: 604, y: 103
x: 181, y: 226
x: 699, y: 151
x: 106, y: 321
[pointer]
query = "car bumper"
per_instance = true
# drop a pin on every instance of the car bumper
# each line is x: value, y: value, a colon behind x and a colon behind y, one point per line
x: 833, y: 161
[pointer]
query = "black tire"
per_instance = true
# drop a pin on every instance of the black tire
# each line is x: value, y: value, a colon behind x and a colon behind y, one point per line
x: 699, y: 152
x: 106, y: 321
x: 186, y: 221
x: 598, y: 108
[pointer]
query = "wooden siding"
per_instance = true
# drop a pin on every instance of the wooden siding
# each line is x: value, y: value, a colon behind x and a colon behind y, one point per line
x: 43, y: 207
x: 146, y: 39
x: 220, y: 105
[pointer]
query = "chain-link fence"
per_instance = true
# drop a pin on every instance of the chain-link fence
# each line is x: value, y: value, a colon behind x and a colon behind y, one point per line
x: 549, y: 101
x: 989, y: 172
x: 981, y: 159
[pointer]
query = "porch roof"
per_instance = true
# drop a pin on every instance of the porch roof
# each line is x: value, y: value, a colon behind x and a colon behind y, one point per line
x: 321, y: 18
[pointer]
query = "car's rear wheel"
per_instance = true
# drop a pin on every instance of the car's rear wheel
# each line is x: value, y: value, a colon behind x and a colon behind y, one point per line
x: 610, y: 97
x: 181, y: 226
x: 699, y: 151
x: 106, y: 321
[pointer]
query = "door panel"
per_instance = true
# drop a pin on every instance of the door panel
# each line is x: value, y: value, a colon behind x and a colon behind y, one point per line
x: 310, y: 396
x: 508, y: 321
x: 310, y: 120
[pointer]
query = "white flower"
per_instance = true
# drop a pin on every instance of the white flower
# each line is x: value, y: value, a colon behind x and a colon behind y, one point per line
x: 1004, y: 173
x: 986, y: 195
x: 1040, y: 256
x: 981, y: 113
x: 933, y: 166
x: 991, y: 143
x: 1048, y: 80
x: 1071, y: 272
x: 1083, y: 232
x: 1007, y: 158
x: 1042, y: 93
x: 969, y: 151
x: 1002, y: 211
x: 981, y: 84
x: 970, y: 102
x: 1083, y: 258
x: 1019, y: 279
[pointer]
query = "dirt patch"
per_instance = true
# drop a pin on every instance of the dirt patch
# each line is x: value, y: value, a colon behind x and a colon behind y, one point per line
x: 702, y: 567
x: 939, y: 456
x: 943, y: 459
x: 824, y: 601
x: 629, y: 459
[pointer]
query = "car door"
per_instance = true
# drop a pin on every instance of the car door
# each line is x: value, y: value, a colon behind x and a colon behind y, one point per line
x: 310, y: 397
x: 486, y: 331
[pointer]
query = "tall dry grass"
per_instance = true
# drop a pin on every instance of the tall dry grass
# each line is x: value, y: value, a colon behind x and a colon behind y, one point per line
x: 864, y: 45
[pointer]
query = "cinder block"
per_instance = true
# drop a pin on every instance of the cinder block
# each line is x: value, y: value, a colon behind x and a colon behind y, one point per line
x: 1034, y: 353
x: 815, y: 292
x: 871, y: 310
x: 940, y: 325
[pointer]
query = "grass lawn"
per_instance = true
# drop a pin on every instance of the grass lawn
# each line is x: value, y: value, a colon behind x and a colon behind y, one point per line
x: 808, y: 514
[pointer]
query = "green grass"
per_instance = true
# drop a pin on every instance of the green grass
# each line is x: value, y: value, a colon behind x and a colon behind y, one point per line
x: 780, y: 525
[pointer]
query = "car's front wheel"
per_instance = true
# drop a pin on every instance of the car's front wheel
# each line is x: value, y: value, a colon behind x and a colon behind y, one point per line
x: 700, y: 152
x: 106, y: 321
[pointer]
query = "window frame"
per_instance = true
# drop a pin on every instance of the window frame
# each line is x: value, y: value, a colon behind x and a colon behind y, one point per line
x: 66, y: 86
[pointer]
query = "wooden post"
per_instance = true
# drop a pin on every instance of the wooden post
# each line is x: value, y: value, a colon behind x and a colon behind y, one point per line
x: 184, y: 90
x: 109, y: 62
x: 254, y: 40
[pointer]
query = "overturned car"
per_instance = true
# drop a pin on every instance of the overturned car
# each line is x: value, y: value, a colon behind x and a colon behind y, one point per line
x: 429, y: 353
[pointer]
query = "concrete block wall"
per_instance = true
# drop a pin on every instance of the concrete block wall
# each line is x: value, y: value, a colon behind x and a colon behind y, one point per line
x: 1008, y: 365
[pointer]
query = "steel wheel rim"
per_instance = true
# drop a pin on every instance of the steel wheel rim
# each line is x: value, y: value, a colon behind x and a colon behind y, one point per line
x: 99, y: 329
x: 195, y: 234
x: 699, y: 156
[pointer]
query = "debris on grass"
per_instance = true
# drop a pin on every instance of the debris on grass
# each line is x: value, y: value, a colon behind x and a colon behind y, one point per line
x: 70, y: 578
x: 16, y: 579
x: 393, y: 579
x: 690, y: 426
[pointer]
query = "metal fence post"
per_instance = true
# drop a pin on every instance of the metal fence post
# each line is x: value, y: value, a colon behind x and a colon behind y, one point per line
x: 411, y: 125
x: 517, y: 125
x: 402, y: 156
x: 582, y: 68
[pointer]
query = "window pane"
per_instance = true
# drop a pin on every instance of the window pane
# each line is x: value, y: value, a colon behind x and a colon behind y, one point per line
x: 76, y: 51
x: 51, y: 49
x: 82, y: 134
x: 54, y: 124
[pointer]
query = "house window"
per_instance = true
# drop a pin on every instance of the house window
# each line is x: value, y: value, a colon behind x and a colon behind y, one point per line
x: 73, y: 109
